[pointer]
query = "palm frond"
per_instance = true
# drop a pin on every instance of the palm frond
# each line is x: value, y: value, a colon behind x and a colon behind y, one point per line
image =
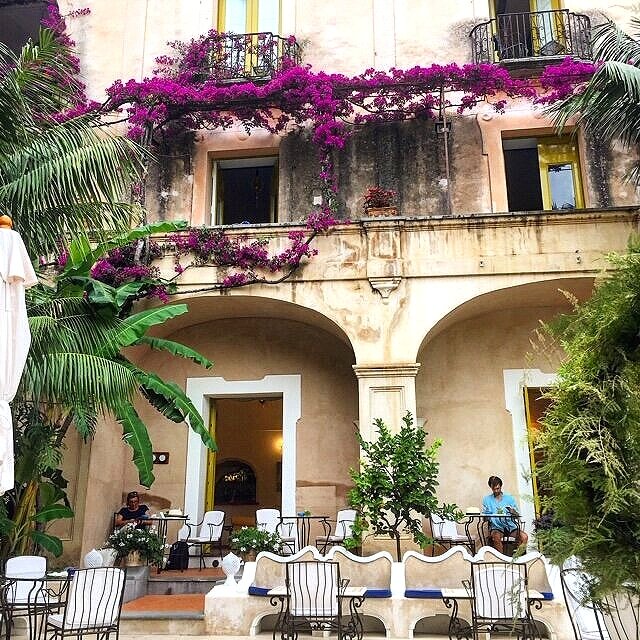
x: 134, y: 433
x: 613, y: 44
x: 67, y: 379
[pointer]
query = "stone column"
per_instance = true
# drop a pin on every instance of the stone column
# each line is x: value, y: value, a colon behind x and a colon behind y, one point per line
x: 385, y: 391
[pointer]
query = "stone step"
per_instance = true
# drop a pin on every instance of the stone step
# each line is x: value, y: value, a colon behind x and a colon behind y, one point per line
x: 166, y: 623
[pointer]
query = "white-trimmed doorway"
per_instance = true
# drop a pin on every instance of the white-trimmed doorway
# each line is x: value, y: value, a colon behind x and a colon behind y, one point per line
x: 201, y: 391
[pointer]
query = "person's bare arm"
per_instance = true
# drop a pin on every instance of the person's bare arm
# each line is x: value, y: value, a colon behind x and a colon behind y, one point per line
x: 119, y: 520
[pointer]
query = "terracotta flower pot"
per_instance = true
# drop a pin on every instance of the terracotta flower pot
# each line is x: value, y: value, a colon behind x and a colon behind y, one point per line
x: 133, y: 559
x: 381, y: 212
x: 248, y: 556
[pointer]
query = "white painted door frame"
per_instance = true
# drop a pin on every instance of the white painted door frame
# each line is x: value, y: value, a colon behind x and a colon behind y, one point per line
x: 200, y: 392
x: 515, y: 381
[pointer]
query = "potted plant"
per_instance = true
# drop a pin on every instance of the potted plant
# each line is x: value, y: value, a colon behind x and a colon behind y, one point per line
x: 249, y: 541
x: 395, y: 485
x: 136, y: 546
x: 379, y: 202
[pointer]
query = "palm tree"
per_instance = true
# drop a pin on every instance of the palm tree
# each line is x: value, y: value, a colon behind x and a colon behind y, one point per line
x: 58, y: 176
x: 608, y: 106
x: 58, y: 173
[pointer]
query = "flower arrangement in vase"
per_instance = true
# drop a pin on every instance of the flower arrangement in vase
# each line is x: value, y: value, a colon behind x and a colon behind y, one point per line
x: 249, y: 541
x: 380, y: 202
x: 129, y: 541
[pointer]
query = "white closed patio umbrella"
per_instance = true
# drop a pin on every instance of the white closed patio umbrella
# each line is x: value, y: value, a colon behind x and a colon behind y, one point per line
x: 16, y: 274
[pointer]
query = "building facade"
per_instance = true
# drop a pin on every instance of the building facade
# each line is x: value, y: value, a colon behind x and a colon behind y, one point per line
x: 434, y: 310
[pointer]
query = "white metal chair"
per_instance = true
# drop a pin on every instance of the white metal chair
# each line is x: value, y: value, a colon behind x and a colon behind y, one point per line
x: 585, y: 618
x: 500, y: 600
x: 344, y: 524
x: 445, y: 533
x: 271, y: 521
x: 93, y: 606
x: 208, y: 531
x: 27, y: 588
x: 314, y: 602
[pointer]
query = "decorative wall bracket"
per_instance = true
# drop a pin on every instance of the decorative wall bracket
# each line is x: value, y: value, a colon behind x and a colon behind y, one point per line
x: 384, y: 286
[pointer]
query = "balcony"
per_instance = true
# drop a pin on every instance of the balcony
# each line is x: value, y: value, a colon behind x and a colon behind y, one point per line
x: 254, y: 57
x: 525, y: 38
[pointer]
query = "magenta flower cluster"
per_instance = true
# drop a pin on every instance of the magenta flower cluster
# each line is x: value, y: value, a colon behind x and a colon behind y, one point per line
x: 214, y: 247
x: 128, y: 264
x: 562, y: 80
x: 209, y: 247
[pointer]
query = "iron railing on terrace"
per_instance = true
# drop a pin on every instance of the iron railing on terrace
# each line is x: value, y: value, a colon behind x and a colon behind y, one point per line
x: 252, y: 56
x: 537, y: 34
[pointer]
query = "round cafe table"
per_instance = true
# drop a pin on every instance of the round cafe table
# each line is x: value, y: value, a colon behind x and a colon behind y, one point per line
x: 162, y: 524
x: 303, y: 524
x: 478, y: 524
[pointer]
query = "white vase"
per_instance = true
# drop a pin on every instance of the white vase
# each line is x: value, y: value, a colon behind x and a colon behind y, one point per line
x: 230, y: 566
x: 93, y: 559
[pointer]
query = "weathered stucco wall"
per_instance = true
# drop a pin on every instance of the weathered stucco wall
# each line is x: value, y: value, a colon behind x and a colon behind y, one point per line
x: 460, y: 393
x: 248, y: 349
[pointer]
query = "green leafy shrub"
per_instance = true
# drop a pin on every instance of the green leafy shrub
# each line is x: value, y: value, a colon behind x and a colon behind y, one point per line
x: 253, y: 539
x: 145, y: 540
x: 590, y: 441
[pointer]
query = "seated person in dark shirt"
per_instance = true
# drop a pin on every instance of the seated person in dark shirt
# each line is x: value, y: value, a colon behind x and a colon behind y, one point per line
x: 133, y: 513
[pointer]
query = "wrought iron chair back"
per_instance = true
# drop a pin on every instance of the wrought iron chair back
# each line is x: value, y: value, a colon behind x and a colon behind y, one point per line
x: 271, y: 521
x: 93, y: 606
x: 344, y: 522
x: 207, y: 532
x: 620, y: 613
x: 500, y: 599
x: 584, y: 616
x: 24, y: 589
x: 313, y: 601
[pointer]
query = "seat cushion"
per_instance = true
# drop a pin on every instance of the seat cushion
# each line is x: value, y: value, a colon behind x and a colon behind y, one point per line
x: 258, y: 591
x: 425, y: 592
x: 378, y: 593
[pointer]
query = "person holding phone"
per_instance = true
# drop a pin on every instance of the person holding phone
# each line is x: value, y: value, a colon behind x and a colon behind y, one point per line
x: 497, y: 503
x: 133, y: 512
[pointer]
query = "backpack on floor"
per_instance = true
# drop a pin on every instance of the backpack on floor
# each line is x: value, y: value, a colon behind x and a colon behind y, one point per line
x: 178, y: 556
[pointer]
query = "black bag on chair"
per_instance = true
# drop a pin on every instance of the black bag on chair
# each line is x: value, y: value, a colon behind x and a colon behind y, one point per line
x: 178, y: 556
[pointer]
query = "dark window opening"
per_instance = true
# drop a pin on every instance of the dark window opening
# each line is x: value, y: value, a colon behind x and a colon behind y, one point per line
x: 246, y: 191
x: 522, y: 169
x: 235, y: 483
x: 19, y: 22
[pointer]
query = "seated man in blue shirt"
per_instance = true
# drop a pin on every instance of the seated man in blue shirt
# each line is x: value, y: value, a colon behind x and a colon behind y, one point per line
x: 502, y: 503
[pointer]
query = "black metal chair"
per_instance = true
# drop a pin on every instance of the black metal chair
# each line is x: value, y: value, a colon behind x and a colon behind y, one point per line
x: 314, y: 602
x: 270, y: 520
x: 344, y: 522
x: 207, y: 532
x: 585, y: 618
x: 500, y: 600
x: 445, y: 534
x: 93, y: 605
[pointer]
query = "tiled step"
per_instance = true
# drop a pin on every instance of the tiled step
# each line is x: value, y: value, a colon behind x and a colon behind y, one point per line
x: 173, y: 615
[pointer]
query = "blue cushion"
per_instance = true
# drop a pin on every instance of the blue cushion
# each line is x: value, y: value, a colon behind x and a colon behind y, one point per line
x: 547, y: 595
x: 258, y: 591
x: 423, y: 593
x: 378, y: 593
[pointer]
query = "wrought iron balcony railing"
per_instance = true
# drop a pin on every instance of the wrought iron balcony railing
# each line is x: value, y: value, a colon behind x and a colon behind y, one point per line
x: 251, y: 56
x: 538, y: 34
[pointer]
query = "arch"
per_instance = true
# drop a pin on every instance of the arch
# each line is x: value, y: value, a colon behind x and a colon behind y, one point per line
x: 537, y: 293
x: 235, y: 482
x: 207, y: 308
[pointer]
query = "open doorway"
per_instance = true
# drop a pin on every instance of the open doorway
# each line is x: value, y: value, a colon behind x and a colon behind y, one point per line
x: 245, y: 473
x: 536, y: 406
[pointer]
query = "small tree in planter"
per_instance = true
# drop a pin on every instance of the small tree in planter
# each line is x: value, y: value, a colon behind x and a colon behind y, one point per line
x: 396, y: 485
